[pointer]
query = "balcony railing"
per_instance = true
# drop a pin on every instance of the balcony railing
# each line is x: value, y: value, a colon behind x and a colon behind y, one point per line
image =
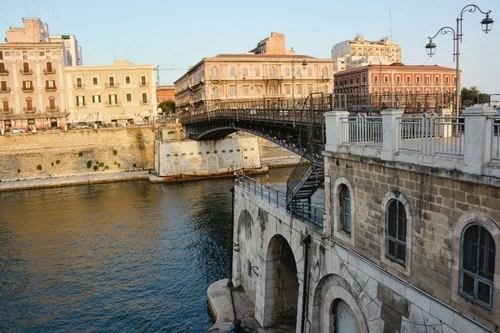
x: 143, y: 84
x: 112, y: 104
x: 4, y: 72
x: 29, y: 110
x: 111, y: 85
x: 79, y: 86
x: 49, y: 71
x: 47, y: 88
x: 52, y: 109
x: 5, y: 90
x: 144, y: 102
x: 26, y: 71
x: 7, y: 110
x: 28, y: 89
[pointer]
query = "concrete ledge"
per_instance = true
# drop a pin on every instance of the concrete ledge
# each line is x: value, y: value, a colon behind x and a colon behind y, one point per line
x: 220, y: 306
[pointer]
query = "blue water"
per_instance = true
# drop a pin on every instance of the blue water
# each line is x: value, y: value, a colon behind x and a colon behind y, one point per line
x: 121, y: 257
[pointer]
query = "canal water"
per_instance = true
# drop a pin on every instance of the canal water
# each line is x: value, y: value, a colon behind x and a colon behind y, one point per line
x: 119, y: 257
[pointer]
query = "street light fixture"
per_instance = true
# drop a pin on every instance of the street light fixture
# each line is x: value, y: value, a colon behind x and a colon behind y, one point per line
x: 486, y: 24
x: 304, y: 65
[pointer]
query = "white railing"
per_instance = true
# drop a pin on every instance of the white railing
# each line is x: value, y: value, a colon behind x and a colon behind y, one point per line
x: 362, y: 130
x: 432, y: 135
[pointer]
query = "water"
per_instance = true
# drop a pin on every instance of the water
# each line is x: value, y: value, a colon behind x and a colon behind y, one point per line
x: 121, y: 257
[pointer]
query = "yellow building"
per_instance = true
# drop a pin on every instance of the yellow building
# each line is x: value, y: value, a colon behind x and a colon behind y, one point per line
x: 119, y: 94
x: 280, y: 77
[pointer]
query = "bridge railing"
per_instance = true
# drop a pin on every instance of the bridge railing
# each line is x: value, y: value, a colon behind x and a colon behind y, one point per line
x: 314, y: 214
x: 362, y: 130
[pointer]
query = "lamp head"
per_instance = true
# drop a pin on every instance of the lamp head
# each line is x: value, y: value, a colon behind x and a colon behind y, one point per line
x: 487, y: 23
x: 430, y: 48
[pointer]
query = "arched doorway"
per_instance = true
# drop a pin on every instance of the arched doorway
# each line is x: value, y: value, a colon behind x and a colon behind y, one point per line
x: 343, y: 319
x: 281, y: 285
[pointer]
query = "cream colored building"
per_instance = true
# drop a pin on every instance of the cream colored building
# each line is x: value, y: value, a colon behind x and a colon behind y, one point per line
x: 121, y: 94
x: 278, y: 78
x: 361, y: 52
x: 32, y: 92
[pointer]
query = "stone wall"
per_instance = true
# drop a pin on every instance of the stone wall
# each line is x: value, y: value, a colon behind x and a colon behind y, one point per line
x: 77, y: 152
x: 438, y: 205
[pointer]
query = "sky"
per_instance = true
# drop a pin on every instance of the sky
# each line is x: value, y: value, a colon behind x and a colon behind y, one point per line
x: 177, y: 34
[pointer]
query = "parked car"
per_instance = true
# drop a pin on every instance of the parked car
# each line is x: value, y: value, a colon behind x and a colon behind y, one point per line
x: 16, y: 130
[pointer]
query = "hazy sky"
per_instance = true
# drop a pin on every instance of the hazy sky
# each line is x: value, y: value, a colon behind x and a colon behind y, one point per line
x: 178, y: 34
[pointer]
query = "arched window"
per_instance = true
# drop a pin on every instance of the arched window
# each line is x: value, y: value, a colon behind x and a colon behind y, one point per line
x: 395, y: 236
x: 477, y: 265
x: 232, y: 71
x: 345, y: 208
x: 215, y: 73
x: 245, y: 71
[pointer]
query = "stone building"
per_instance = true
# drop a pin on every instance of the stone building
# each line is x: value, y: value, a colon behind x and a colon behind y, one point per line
x: 361, y: 52
x: 122, y: 93
x: 276, y: 78
x: 409, y: 87
x: 165, y: 93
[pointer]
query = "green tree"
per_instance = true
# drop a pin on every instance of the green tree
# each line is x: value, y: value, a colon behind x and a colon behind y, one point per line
x: 473, y: 96
x: 167, y: 107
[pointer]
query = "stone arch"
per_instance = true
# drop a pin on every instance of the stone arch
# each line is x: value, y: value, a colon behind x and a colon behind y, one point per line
x: 281, y: 284
x: 331, y: 291
x: 337, y: 226
x: 242, y: 245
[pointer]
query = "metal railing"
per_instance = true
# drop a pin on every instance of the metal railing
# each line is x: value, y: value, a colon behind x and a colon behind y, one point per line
x: 367, y: 130
x: 432, y: 135
x: 314, y: 214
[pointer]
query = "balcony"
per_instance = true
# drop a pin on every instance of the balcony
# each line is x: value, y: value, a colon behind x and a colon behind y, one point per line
x: 80, y: 105
x: 50, y: 89
x: 49, y: 71
x: 5, y: 90
x: 26, y: 71
x: 28, y: 89
x: 111, y: 85
x: 143, y: 84
x: 4, y: 72
x: 7, y: 110
x: 29, y: 110
x: 112, y: 104
x: 79, y: 86
x: 52, y: 109
x: 144, y: 102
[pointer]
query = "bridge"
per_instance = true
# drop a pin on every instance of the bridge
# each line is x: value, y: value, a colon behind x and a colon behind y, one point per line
x: 298, y: 128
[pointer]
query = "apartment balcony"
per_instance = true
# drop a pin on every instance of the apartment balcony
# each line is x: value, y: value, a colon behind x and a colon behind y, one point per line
x: 81, y: 105
x: 409, y: 83
x: 7, y: 110
x: 29, y: 110
x: 108, y: 104
x: 5, y: 90
x: 143, y: 84
x: 27, y: 89
x: 79, y: 86
x: 325, y: 78
x: 26, y: 71
x: 50, y: 89
x: 4, y: 72
x: 111, y: 85
x: 52, y: 109
x: 144, y: 102
x: 49, y: 71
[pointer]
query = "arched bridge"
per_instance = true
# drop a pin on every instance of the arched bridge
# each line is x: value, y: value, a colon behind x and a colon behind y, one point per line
x: 299, y: 128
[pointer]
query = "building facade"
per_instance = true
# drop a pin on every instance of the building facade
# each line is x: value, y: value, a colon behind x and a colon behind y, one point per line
x: 119, y: 94
x: 165, y: 93
x: 411, y: 87
x: 361, y: 52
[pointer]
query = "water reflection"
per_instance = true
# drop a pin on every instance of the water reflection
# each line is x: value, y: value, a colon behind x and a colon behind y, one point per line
x: 129, y: 256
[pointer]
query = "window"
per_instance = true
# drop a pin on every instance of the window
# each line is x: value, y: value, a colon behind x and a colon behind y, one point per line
x: 95, y: 82
x: 112, y: 99
x: 96, y: 99
x: 80, y: 100
x: 52, y: 103
x: 245, y: 71
x: 25, y: 55
x: 144, y: 97
x: 257, y: 71
x: 232, y: 71
x: 49, y: 67
x: 27, y: 85
x: 127, y: 79
x: 245, y: 90
x: 287, y: 71
x: 215, y: 73
x: 26, y: 67
x: 50, y: 84
x: 111, y: 81
x: 395, y: 238
x: 215, y: 92
x: 1, y: 55
x: 345, y: 208
x: 5, y: 105
x: 232, y: 91
x: 79, y: 82
x: 129, y: 97
x: 3, y: 86
x: 143, y: 80
x: 477, y: 265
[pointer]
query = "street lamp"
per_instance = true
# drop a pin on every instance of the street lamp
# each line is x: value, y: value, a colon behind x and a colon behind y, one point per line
x: 486, y: 23
x: 379, y: 82
x: 304, y: 65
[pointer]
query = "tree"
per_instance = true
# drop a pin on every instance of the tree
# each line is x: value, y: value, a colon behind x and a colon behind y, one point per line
x: 167, y: 107
x: 473, y: 96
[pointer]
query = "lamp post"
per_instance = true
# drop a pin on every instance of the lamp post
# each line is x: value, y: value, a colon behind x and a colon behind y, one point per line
x: 304, y: 65
x: 379, y: 82
x: 486, y: 24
